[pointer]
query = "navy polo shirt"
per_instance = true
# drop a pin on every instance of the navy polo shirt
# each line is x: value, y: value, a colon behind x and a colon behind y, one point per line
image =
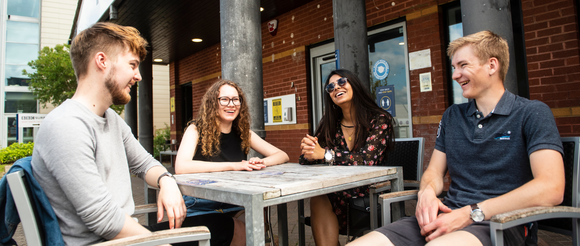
x: 488, y: 156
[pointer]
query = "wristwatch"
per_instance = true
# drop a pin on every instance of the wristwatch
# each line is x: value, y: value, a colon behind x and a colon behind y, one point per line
x: 329, y: 157
x: 476, y: 213
x: 168, y: 174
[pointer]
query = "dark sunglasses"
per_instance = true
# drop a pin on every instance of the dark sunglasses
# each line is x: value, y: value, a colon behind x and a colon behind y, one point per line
x: 340, y: 82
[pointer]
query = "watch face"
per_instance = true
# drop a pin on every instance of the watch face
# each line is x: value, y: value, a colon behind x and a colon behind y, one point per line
x: 328, y: 156
x: 477, y: 215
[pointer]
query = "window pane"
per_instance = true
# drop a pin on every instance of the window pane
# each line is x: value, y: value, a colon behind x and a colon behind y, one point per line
x: 388, y: 47
x: 20, y: 102
x: 14, y: 74
x: 29, y: 8
x: 22, y: 32
x: 21, y: 53
x: 12, y: 132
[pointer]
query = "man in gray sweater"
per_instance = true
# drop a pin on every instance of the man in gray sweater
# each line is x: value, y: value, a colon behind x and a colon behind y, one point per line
x: 84, y: 152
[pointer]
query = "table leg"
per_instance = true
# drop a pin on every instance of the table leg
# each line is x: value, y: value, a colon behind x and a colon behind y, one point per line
x: 301, y: 232
x: 282, y: 224
x: 255, y: 223
x: 397, y: 185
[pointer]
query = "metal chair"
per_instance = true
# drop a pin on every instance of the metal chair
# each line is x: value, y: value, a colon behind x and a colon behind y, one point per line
x: 408, y: 153
x: 31, y: 224
x: 507, y: 220
x: 570, y: 208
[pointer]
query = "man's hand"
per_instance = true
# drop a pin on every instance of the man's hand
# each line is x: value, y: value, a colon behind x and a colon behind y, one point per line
x: 171, y: 200
x: 428, y: 207
x: 447, y: 222
x: 311, y: 149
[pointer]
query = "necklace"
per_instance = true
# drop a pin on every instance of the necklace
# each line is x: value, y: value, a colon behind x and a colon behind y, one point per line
x: 346, y: 126
x: 350, y: 135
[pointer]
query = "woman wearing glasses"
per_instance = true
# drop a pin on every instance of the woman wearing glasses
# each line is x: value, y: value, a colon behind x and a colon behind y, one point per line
x: 352, y: 131
x: 219, y: 139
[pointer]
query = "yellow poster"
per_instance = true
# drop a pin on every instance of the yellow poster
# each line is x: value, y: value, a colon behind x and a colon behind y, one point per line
x: 172, y: 104
x: 277, y: 110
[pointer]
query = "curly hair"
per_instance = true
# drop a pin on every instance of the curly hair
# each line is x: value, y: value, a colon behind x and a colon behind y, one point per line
x: 208, y: 121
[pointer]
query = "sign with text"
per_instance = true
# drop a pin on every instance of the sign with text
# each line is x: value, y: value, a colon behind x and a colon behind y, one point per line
x: 30, y: 120
x: 386, y: 98
x: 277, y: 110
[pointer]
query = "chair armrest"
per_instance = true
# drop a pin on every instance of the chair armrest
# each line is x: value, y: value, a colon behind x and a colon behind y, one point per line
x: 408, y: 194
x: 144, y: 209
x: 536, y: 213
x: 197, y: 233
x: 383, y: 186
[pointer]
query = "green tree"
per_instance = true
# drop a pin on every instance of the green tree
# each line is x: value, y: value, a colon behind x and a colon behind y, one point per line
x: 54, y: 80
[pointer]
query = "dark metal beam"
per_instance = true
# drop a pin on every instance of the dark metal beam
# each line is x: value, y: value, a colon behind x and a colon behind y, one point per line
x: 495, y: 16
x: 146, y: 103
x: 350, y: 37
x: 131, y: 113
x: 241, y: 50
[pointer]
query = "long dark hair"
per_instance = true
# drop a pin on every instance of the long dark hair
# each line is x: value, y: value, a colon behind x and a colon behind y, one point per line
x: 364, y: 107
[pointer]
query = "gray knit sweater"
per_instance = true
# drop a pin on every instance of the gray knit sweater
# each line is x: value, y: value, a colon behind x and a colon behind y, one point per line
x: 82, y: 161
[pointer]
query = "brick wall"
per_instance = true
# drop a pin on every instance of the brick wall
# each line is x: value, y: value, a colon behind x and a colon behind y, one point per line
x: 552, y: 54
x: 285, y: 61
x: 551, y: 33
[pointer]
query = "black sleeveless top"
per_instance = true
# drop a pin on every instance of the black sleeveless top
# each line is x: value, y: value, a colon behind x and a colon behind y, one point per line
x: 230, y: 149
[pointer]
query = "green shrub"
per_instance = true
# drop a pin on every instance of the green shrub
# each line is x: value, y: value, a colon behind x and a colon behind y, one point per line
x: 15, y: 151
x: 160, y: 140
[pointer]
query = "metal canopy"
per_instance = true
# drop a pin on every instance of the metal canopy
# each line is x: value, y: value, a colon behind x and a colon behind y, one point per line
x: 170, y: 26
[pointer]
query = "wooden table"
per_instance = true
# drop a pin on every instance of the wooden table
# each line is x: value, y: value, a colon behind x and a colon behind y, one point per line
x: 277, y: 185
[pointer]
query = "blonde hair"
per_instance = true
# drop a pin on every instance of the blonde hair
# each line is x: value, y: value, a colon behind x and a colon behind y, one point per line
x: 486, y: 44
x: 208, y: 121
x: 106, y: 37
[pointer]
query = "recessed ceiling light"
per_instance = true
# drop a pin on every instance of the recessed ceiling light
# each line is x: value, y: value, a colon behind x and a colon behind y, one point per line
x: 261, y: 9
x: 197, y: 40
x: 402, y: 43
x: 157, y: 60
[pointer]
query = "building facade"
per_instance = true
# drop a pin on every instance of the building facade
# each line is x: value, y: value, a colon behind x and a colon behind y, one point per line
x: 411, y: 36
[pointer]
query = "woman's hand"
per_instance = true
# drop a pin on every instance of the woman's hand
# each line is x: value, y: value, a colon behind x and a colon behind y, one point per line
x: 247, y: 165
x: 311, y: 149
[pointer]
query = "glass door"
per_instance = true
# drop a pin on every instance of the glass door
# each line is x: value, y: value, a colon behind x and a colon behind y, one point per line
x: 388, y: 55
x: 390, y: 73
x: 323, y: 62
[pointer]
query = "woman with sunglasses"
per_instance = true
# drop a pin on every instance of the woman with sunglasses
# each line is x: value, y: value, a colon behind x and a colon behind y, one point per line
x: 219, y: 139
x: 352, y: 131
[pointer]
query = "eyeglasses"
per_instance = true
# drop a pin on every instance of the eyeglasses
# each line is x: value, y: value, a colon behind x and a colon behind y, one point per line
x: 225, y: 101
x: 340, y: 82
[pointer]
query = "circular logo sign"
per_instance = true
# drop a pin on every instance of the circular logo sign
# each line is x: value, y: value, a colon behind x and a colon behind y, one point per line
x: 381, y: 69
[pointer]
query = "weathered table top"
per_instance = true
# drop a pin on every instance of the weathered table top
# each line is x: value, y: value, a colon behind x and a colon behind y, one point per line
x: 284, y: 179
x: 277, y: 185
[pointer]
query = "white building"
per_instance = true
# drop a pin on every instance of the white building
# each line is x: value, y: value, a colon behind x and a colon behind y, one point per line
x: 25, y: 27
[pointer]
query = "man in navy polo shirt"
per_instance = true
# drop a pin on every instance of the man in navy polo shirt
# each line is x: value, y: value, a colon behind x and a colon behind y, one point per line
x: 503, y: 152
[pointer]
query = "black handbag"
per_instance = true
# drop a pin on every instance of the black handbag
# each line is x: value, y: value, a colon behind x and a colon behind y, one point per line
x: 359, y: 216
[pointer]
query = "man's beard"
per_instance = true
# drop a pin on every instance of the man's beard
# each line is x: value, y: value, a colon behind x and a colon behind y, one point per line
x: 117, y: 94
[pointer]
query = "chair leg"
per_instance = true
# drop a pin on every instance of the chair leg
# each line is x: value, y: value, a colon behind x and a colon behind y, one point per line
x: 204, y: 243
x: 575, y: 232
x: 386, y: 212
x: 496, y: 235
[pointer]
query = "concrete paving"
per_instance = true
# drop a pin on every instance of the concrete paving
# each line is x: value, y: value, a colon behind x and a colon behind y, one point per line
x: 546, y: 238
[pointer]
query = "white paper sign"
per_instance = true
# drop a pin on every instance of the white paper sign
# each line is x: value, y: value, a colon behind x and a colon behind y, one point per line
x: 425, y: 81
x: 420, y: 59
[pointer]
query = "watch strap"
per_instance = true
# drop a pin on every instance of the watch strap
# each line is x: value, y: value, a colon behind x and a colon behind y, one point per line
x: 474, y: 206
x: 168, y: 174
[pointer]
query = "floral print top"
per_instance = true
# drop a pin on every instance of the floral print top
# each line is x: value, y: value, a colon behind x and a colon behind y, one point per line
x: 371, y: 154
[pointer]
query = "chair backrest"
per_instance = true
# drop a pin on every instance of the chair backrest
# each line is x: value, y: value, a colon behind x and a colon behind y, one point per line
x: 26, y: 210
x: 572, y: 175
x: 408, y: 153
